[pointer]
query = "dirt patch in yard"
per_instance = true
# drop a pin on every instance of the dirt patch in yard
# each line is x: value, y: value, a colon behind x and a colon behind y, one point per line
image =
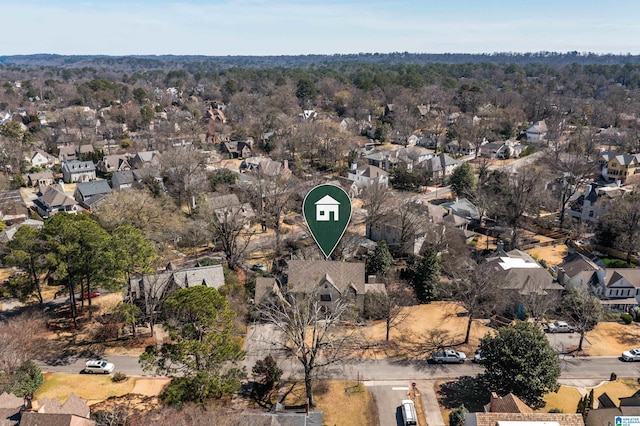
x: 425, y: 327
x: 553, y: 255
x: 612, y: 338
x: 150, y: 387
x: 566, y: 399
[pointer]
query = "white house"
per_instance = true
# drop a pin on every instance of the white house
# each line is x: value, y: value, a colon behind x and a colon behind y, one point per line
x: 537, y: 132
x: 325, y: 207
x: 78, y: 171
x: 365, y: 176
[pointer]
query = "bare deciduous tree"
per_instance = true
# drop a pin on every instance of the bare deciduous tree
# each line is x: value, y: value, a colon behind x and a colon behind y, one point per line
x: 310, y: 332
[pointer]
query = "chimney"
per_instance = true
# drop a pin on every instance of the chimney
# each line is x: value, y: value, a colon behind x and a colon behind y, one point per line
x: 371, y: 279
x: 500, y: 246
x: 354, y: 166
x: 587, y: 190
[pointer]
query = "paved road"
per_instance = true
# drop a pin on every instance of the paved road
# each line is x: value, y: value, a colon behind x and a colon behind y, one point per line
x: 597, y: 368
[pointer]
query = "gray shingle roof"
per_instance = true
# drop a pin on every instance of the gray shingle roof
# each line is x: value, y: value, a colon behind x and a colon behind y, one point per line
x: 306, y: 275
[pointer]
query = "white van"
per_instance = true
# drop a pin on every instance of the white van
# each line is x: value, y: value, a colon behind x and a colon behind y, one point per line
x: 409, y: 413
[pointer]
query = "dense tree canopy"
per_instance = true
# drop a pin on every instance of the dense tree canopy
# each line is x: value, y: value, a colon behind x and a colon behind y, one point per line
x: 519, y: 359
x: 205, y: 350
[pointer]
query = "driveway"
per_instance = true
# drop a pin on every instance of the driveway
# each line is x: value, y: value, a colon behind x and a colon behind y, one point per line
x: 562, y: 342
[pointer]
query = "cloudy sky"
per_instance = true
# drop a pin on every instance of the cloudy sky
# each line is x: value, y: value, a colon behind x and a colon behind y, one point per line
x: 283, y: 27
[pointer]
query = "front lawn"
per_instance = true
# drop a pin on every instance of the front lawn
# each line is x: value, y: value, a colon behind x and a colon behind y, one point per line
x: 89, y: 387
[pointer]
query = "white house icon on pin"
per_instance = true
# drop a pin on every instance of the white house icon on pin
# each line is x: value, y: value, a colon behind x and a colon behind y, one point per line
x: 324, y: 207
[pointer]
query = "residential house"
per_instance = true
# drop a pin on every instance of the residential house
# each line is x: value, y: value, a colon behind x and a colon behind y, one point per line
x: 11, y: 407
x: 73, y: 405
x: 330, y: 280
x: 406, y: 230
x: 619, y: 166
x: 606, y: 409
x: 595, y: 202
x: 40, y: 179
x: 497, y: 149
x: 383, y: 159
x: 145, y: 159
x: 414, y: 156
x: 87, y: 194
x: 522, y: 279
x: 151, y: 290
x: 464, y: 208
x: 280, y: 418
x: 423, y: 110
x: 216, y: 114
x: 537, y: 132
x: 228, y: 207
x: 365, y: 176
x: 308, y: 114
x: 619, y: 288
x: 41, y: 159
x: 509, y: 403
x: 113, y: 163
x: 578, y: 270
x: 12, y: 207
x: 460, y: 147
x: 439, y: 167
x: 9, y: 232
x: 29, y: 418
x: 54, y: 200
x: 67, y: 153
x: 510, y: 419
x: 78, y: 171
x: 266, y: 167
x: 124, y: 179
x: 237, y: 149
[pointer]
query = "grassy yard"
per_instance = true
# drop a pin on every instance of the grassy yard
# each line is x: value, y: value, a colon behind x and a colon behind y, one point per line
x: 566, y: 399
x: 90, y: 387
x: 342, y: 403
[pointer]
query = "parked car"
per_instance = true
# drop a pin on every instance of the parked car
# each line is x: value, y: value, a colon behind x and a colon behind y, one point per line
x: 560, y: 327
x: 632, y: 355
x: 98, y: 366
x: 449, y: 356
x: 259, y: 267
x: 93, y: 294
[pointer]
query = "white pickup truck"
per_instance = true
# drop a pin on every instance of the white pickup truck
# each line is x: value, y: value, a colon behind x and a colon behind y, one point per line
x: 449, y: 356
x: 560, y: 327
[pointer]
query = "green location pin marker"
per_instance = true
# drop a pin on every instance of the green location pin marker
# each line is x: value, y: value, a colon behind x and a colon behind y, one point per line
x: 327, y: 211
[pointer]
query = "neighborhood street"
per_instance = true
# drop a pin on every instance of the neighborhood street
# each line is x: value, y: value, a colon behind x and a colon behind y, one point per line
x: 365, y: 369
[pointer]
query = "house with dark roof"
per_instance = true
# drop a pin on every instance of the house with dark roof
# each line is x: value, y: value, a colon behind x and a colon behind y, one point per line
x: 78, y: 171
x: 87, y: 194
x: 607, y: 409
x: 438, y: 168
x: 510, y: 419
x: 577, y: 270
x: 237, y: 149
x: 153, y: 289
x: 10, y: 409
x: 113, y: 163
x: 521, y: 278
x: 54, y: 200
x: 144, y: 159
x: 330, y: 280
x: 595, y: 202
x: 13, y: 209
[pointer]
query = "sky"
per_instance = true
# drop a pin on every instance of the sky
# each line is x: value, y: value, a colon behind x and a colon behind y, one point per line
x: 295, y: 27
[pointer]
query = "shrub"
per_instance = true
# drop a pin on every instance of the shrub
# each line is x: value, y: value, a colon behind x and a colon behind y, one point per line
x: 118, y: 377
x: 456, y: 416
x: 627, y: 318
